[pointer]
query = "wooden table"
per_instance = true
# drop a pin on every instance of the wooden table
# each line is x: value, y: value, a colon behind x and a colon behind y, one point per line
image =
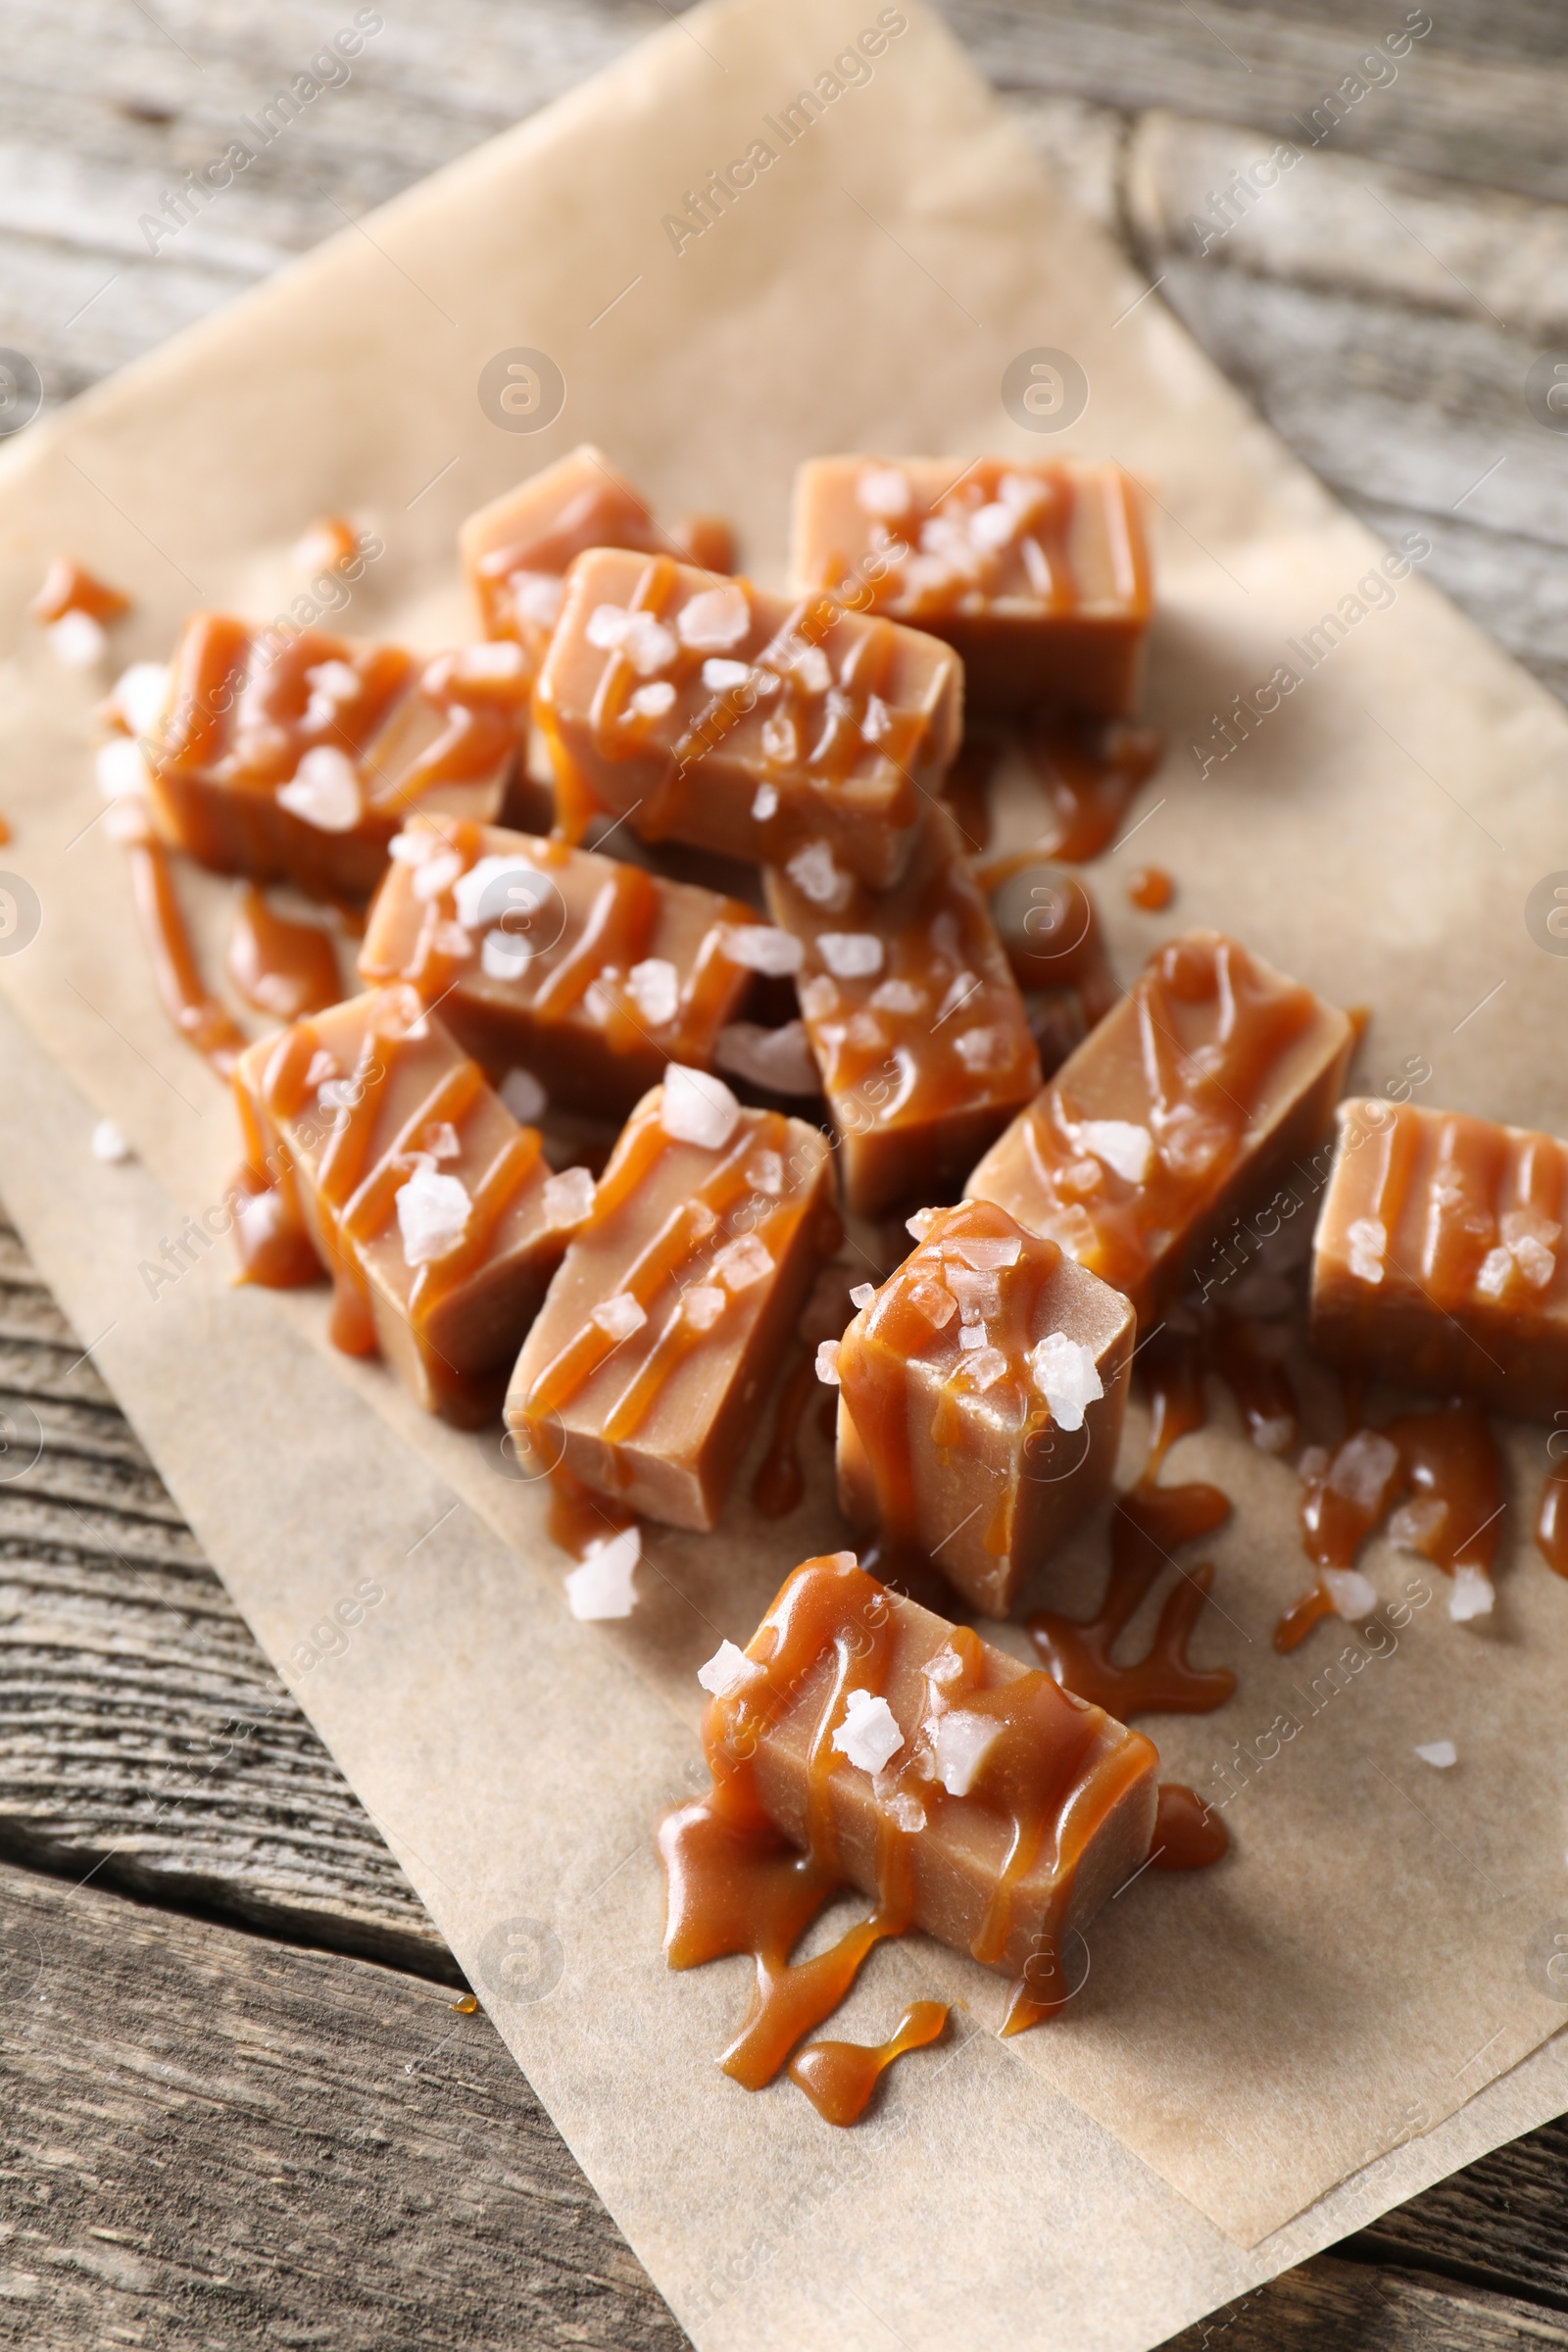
x: 239, y: 2104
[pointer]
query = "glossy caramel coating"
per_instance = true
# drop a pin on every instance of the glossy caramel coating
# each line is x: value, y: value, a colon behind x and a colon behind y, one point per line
x: 946, y: 1439
x: 1035, y: 571
x: 739, y: 721
x: 1206, y: 1081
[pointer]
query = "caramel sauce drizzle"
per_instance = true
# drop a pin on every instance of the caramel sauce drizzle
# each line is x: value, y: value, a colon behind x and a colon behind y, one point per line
x: 840, y: 2077
x: 281, y: 967
x: 68, y: 587
x: 966, y: 788
x: 1448, y: 1464
x: 1201, y: 1107
x: 196, y: 1013
x: 1035, y: 564
x: 780, y: 1481
x: 1088, y: 771
x: 1152, y: 888
x: 1188, y: 1833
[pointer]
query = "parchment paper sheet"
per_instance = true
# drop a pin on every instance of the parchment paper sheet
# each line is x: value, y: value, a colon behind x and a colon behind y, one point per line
x: 1371, y: 1956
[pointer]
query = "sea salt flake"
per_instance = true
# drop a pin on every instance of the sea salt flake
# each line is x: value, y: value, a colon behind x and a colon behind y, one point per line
x: 645, y: 641
x: 502, y: 958
x: 1439, y: 1753
x: 862, y: 1296
x: 493, y: 663
x: 780, y: 742
x: 920, y: 1224
x: 1064, y: 1372
x: 108, y: 1143
x: 984, y: 1254
x: 601, y: 1587
x: 537, y: 596
x: 434, y: 875
x: 432, y: 1215
x: 338, y: 1094
x: 620, y: 1315
x: 816, y: 877
x: 1355, y: 1596
x: 945, y: 1667
x: 1417, y: 1524
x: 715, y: 619
x: 908, y: 1814
x: 972, y: 1335
x: 1473, y: 1594
x: 766, y: 1174
x: 76, y: 640
x: 959, y: 1744
x: 761, y: 948
x: 1535, y: 1261
x: 961, y: 988
x: 696, y: 1107
x: 981, y: 1048
x: 1368, y: 1239
x: 764, y: 804
x: 883, y: 490
x: 702, y: 1305
x: 728, y: 1670
x: 827, y: 1363
x: 523, y: 1096
x: 991, y: 527
x: 141, y: 693
x: 1120, y: 1146
x: 850, y: 954
x: 322, y: 1066
x: 654, y: 986
x: 819, y: 1000
x: 568, y: 1200
x: 652, y: 701
x: 897, y: 996
x: 743, y: 1264
x: 1362, y: 1468
x: 324, y: 790
x: 985, y: 1367
x: 869, y: 1734
x: 335, y: 681
x: 121, y: 770
x: 934, y: 1300
x: 720, y: 676
x: 441, y: 1140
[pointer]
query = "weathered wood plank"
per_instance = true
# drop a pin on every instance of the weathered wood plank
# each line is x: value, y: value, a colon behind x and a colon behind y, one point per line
x: 210, y: 2139
x: 1331, y: 2301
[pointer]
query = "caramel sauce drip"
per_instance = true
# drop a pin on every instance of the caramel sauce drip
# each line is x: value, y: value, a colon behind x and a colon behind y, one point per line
x: 1188, y: 1833
x: 201, y: 1021
x: 68, y: 587
x: 281, y: 967
x: 780, y: 1481
x: 1090, y: 771
x: 1552, y: 1522
x: 734, y: 1882
x: 578, y: 1517
x: 1445, y: 1467
x: 1148, y: 1525
x: 1202, y: 1106
x: 275, y: 1251
x: 1152, y: 888
x: 1490, y: 1204
x: 840, y: 2077
x: 966, y: 788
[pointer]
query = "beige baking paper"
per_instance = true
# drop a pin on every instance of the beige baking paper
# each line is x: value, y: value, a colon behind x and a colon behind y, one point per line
x: 1373, y: 1953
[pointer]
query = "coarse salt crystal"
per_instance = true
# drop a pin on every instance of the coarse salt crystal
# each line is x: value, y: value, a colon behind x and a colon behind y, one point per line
x: 816, y: 877
x: 993, y: 526
x: 972, y: 1335
x: 761, y: 948
x: 850, y: 954
x: 742, y: 1263
x: 765, y: 1173
x: 436, y: 874
x: 920, y: 1224
x: 985, y: 1367
x: 335, y: 681
x: 1362, y: 1467
x: 1439, y: 1753
x: 1354, y: 1595
x: 322, y: 1066
x: 719, y: 676
x: 441, y: 1140
x: 869, y: 1734
x: 764, y: 804
x: 523, y: 1096
x: 492, y: 663
x: 601, y: 1587
x: 1416, y: 1525
x: 780, y: 741
x: 139, y: 695
x: 432, y: 1215
x: 620, y: 1315
x: 862, y: 1296
x: 827, y: 1363
x: 338, y: 1094
x: 715, y: 619
x: 980, y: 1048
x: 960, y: 989
x: 934, y: 1301
x: 537, y: 596
x: 412, y: 849
x: 76, y: 640
x: 495, y: 887
x: 108, y: 1143
x: 1368, y: 1239
x: 121, y: 770
x: 324, y: 790
x: 820, y: 1001
x: 1119, y: 1146
x: 1065, y: 1374
x: 654, y: 986
x: 652, y: 701
x: 883, y: 490
x: 696, y: 1107
x: 984, y: 1254
x: 897, y: 996
x: 727, y: 1670
x: 1473, y: 1593
x: 702, y: 1305
x: 645, y: 641
x: 568, y: 1199
x: 908, y: 1814
x: 959, y: 1744
x: 502, y: 958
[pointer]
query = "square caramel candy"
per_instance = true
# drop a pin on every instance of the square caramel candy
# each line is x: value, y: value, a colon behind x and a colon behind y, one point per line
x: 1438, y: 1260
x: 739, y: 721
x: 296, y: 758
x: 587, y: 973
x: 430, y: 1206
x: 912, y: 1013
x: 1189, y: 1099
x: 981, y: 1394
x: 1036, y: 572
x: 964, y: 1792
x: 661, y: 1334
x: 518, y: 550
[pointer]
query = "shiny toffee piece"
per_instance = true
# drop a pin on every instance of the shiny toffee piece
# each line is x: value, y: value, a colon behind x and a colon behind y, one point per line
x: 376, y: 1151
x: 296, y: 758
x: 1438, y: 1260
x: 518, y: 550
x: 858, y: 1740
x: 588, y: 973
x: 649, y: 1366
x: 981, y: 1393
x: 912, y: 1013
x: 720, y: 715
x: 1037, y: 574
x: 1208, y: 1079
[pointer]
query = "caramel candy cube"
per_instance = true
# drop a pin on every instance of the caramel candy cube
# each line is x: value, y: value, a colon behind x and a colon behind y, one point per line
x: 1438, y: 1260
x: 588, y: 973
x: 661, y: 1334
x: 518, y: 550
x: 296, y: 758
x: 967, y: 1794
x: 1036, y: 572
x: 981, y: 1393
x: 912, y: 1013
x: 1188, y: 1102
x: 718, y: 715
x: 431, y: 1207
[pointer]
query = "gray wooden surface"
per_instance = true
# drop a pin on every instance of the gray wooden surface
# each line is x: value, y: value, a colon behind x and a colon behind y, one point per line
x: 208, y: 2137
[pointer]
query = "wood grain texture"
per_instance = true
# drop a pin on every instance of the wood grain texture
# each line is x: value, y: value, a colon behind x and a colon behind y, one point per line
x: 209, y: 2140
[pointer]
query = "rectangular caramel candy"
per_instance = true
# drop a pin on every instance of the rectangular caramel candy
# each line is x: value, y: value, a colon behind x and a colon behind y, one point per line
x: 1036, y: 572
x: 1439, y: 1258
x: 431, y: 1207
x: 912, y: 1013
x: 968, y: 1795
x: 715, y: 714
x: 516, y: 551
x: 296, y: 758
x: 1194, y: 1094
x: 654, y: 1352
x: 981, y: 1393
x: 586, y: 972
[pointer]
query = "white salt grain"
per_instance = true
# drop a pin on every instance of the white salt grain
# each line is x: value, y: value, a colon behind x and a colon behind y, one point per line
x: 715, y: 620
x: 863, y: 1294
x: 502, y: 958
x: 1063, y: 1371
x: 432, y: 1215
x: 1439, y: 1753
x: 654, y: 986
x: 325, y: 791
x: 1355, y: 1596
x: 523, y: 1096
x: 695, y: 1108
x: 620, y: 1315
x: 765, y: 803
x: 869, y: 1734
x: 816, y: 877
x: 603, y: 1585
x: 495, y: 887
x: 139, y: 695
x: 761, y: 948
x: 1368, y: 1240
x: 884, y: 491
x: 702, y: 1305
x: 827, y: 1363
x: 720, y: 676
x: 121, y: 770
x: 958, y: 1747
x: 743, y: 1264
x: 108, y: 1143
x: 652, y: 701
x: 850, y: 954
x: 568, y: 1199
x: 1362, y: 1468
x: 1473, y: 1594
x: 727, y: 1670
x: 77, y: 641
x: 1120, y: 1146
